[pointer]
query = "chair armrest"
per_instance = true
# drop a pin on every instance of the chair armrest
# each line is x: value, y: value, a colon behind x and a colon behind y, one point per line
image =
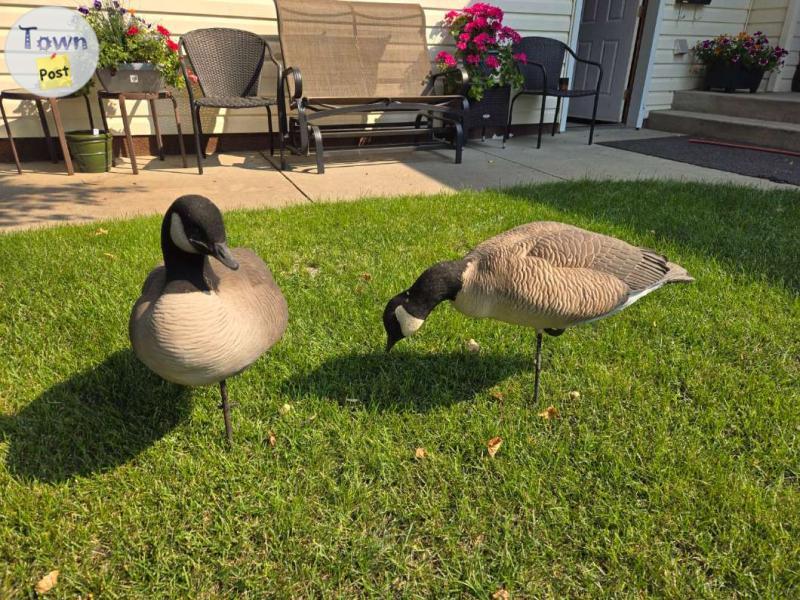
x: 589, y: 62
x: 459, y: 69
x: 540, y: 66
x: 296, y: 88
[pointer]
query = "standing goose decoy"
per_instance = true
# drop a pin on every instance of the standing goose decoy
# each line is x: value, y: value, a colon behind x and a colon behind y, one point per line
x: 201, y: 321
x: 544, y: 275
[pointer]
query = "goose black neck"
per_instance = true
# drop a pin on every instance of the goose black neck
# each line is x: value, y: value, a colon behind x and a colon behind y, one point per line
x: 181, y: 265
x: 438, y: 283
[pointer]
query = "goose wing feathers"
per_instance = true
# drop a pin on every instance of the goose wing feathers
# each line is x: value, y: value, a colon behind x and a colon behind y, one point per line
x: 565, y: 246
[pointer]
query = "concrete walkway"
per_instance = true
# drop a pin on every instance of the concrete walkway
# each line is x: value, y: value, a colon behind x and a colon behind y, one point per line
x: 44, y: 195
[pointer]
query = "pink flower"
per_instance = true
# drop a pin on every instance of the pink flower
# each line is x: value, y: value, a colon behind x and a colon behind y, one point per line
x: 483, y: 38
x: 446, y: 59
x: 480, y: 22
x: 492, y: 62
x: 162, y: 30
x: 473, y: 59
x: 172, y: 45
x: 464, y: 37
x: 461, y: 45
x: 132, y: 30
x: 453, y: 14
x: 521, y: 57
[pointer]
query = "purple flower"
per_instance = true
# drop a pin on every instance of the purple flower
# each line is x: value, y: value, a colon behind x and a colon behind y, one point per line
x: 735, y: 58
x: 707, y: 44
x: 763, y: 62
x: 83, y: 10
x: 97, y: 5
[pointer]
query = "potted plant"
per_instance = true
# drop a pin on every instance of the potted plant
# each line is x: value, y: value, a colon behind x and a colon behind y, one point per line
x: 734, y: 62
x: 135, y: 56
x: 484, y: 48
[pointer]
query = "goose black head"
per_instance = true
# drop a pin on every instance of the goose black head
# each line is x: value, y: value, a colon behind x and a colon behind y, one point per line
x: 406, y: 312
x: 192, y: 228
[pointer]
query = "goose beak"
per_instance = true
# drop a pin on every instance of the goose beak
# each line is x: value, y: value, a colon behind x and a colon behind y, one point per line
x: 224, y: 255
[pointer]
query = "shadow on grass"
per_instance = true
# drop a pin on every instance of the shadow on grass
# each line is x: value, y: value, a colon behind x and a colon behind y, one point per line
x: 403, y: 380
x: 96, y: 420
x: 753, y: 231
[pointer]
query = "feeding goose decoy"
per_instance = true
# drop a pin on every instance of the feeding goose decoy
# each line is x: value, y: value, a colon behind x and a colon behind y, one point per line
x: 208, y: 312
x: 544, y: 275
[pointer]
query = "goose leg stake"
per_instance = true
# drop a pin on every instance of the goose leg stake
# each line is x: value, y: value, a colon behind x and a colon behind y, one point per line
x: 226, y: 410
x: 538, y: 367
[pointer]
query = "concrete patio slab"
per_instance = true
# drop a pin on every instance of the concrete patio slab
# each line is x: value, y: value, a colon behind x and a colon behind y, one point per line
x: 44, y: 195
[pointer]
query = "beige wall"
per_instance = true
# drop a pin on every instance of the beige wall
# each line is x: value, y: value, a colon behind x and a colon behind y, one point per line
x: 529, y: 17
x: 698, y: 22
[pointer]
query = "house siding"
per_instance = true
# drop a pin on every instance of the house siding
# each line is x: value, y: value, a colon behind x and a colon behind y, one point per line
x: 530, y: 17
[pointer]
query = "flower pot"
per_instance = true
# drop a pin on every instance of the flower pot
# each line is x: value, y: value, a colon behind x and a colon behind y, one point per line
x: 489, y: 111
x: 131, y: 77
x: 91, y: 152
x: 731, y: 77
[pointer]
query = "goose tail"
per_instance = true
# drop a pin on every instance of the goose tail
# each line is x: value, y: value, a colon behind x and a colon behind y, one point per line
x: 677, y: 274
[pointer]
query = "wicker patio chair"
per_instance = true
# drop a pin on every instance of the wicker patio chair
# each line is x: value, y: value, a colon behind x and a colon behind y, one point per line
x: 542, y: 73
x: 228, y: 64
x: 356, y: 58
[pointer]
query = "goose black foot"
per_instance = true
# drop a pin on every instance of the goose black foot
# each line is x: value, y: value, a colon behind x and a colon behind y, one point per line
x: 226, y: 411
x: 538, y: 368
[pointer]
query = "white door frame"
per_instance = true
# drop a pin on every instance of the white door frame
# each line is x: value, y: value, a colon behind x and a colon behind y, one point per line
x: 790, y: 24
x: 644, y: 63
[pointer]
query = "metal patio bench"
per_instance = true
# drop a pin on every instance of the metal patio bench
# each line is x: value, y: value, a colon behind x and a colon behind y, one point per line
x: 228, y: 64
x: 355, y: 70
x: 542, y: 75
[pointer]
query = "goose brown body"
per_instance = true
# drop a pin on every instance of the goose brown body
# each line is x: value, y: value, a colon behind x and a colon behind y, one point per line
x: 196, y: 337
x: 551, y: 275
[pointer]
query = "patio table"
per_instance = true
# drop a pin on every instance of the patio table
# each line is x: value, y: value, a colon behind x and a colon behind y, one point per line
x: 21, y: 94
x: 151, y: 97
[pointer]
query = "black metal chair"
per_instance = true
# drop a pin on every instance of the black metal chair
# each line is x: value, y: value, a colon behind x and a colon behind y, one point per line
x: 542, y: 75
x: 228, y: 64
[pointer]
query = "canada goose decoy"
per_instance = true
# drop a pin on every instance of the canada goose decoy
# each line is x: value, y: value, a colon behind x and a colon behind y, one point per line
x: 201, y: 321
x: 544, y: 275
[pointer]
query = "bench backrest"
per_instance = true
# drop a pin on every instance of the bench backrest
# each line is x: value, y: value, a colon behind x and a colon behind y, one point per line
x: 355, y: 49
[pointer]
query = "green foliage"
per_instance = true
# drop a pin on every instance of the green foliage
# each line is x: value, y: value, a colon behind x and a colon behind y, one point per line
x: 126, y: 38
x: 675, y: 474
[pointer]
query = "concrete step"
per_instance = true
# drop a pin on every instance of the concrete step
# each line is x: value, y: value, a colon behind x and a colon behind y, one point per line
x: 755, y: 132
x: 767, y: 106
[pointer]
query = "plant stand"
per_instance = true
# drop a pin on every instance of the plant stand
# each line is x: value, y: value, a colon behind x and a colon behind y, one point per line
x: 20, y: 94
x: 489, y: 111
x: 151, y: 97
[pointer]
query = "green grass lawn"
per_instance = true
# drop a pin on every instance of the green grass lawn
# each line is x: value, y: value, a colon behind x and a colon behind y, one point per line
x: 674, y: 474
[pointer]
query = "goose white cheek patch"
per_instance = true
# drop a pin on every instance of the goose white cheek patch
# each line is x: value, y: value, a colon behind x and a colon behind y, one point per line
x: 409, y: 324
x: 178, y: 235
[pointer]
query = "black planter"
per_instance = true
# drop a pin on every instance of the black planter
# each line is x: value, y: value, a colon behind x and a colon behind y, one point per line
x: 796, y: 80
x: 730, y: 77
x: 489, y: 111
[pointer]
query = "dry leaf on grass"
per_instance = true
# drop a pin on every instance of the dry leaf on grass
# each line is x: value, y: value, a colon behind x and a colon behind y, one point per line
x: 497, y: 394
x: 551, y: 412
x: 501, y: 594
x: 473, y: 346
x: 285, y: 409
x: 366, y: 276
x: 574, y: 395
x: 272, y: 440
x: 101, y: 231
x: 493, y: 445
x: 111, y: 256
x: 420, y: 453
x: 312, y: 271
x: 47, y: 583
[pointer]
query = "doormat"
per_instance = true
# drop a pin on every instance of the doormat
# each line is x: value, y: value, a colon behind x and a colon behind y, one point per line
x: 779, y: 168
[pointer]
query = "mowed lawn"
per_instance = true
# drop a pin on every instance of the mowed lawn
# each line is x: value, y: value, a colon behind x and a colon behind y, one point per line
x: 674, y: 473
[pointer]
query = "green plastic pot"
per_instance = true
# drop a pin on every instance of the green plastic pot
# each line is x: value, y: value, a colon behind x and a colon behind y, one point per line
x: 90, y: 152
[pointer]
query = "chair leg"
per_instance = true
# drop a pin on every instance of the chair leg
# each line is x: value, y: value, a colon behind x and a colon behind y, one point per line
x: 555, y: 119
x: 159, y: 140
x: 269, y: 129
x: 104, y: 119
x: 10, y: 138
x: 89, y: 111
x: 594, y: 117
x: 459, y: 141
x: 510, y: 116
x: 318, y: 149
x: 128, y: 139
x: 196, y: 126
x: 541, y: 121
x: 62, y: 140
x: 46, y: 130
x: 180, y: 131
